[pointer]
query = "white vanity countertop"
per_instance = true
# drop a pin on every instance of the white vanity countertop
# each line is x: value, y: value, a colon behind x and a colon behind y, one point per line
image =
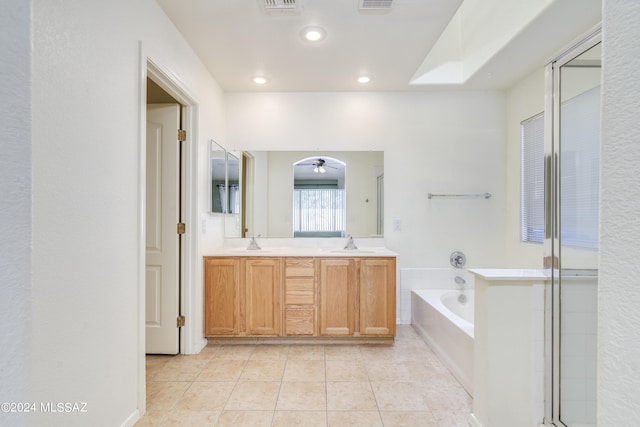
x: 267, y: 251
x: 512, y: 274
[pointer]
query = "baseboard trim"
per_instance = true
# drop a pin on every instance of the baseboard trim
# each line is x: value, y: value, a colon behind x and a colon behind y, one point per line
x: 132, y: 419
x: 301, y: 340
x: 203, y: 344
x: 473, y: 421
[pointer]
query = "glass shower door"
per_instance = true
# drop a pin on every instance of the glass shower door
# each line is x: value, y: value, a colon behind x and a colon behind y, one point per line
x: 575, y: 177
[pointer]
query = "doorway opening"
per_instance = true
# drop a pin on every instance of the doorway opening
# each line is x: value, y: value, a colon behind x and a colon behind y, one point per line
x: 163, y: 220
x: 150, y: 71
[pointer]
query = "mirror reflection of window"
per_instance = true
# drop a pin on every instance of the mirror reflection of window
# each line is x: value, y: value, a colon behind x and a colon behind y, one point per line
x: 218, y: 178
x: 266, y: 192
x: 319, y: 199
x: 233, y: 224
x: 234, y: 198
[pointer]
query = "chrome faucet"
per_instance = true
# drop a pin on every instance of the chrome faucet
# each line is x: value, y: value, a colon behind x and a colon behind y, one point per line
x: 350, y: 243
x: 462, y: 298
x: 253, y: 244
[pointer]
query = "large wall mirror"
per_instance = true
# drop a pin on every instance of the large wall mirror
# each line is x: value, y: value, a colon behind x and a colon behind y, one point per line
x: 284, y: 194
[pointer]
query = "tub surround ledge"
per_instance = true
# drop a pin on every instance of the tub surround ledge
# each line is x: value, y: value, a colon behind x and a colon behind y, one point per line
x: 510, y: 274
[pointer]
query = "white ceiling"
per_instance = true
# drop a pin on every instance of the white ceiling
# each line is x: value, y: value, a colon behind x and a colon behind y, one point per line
x: 237, y: 40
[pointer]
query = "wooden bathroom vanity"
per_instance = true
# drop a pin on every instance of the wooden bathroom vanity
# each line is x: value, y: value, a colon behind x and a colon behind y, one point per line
x: 315, y: 295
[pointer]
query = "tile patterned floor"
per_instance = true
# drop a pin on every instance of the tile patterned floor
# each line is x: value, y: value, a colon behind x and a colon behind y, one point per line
x: 306, y: 385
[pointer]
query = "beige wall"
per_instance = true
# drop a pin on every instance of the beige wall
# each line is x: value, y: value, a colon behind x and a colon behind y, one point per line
x: 618, y: 291
x: 86, y: 248
x: 15, y: 207
x: 523, y: 100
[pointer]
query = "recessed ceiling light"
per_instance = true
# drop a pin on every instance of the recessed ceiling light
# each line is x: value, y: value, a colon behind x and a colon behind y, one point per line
x: 364, y: 79
x: 260, y: 80
x: 313, y: 34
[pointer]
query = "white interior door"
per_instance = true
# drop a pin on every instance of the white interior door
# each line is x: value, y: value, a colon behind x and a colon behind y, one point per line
x: 162, y: 241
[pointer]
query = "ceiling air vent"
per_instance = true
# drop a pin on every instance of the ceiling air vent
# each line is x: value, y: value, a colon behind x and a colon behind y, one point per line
x: 375, y: 4
x: 270, y: 6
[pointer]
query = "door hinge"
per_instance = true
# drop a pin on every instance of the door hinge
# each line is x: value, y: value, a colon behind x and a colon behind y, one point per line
x: 181, y: 321
x: 182, y: 135
x: 182, y: 228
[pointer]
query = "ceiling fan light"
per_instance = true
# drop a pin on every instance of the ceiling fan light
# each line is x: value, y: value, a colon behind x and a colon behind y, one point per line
x: 322, y: 169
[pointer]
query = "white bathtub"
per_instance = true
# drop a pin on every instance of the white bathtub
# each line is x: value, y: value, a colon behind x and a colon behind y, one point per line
x: 447, y: 327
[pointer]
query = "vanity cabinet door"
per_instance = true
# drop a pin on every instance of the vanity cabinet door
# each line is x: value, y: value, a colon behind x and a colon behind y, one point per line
x: 221, y: 296
x: 337, y: 279
x: 263, y: 291
x: 377, y: 289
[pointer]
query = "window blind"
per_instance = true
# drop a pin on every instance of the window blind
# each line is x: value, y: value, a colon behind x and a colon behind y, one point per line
x: 579, y: 173
x: 532, y: 179
x: 318, y: 210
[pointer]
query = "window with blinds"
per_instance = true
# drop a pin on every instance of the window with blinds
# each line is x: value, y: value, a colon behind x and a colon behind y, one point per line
x: 579, y: 173
x: 319, y: 210
x: 532, y: 179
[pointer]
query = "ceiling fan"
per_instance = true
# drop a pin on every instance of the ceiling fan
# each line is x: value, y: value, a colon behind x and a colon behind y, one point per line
x: 319, y: 165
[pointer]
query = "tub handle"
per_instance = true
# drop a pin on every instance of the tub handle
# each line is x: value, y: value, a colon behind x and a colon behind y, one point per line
x: 457, y: 259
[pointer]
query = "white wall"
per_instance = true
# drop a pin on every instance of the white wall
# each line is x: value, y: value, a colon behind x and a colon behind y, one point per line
x: 619, y: 293
x: 437, y: 142
x: 86, y: 217
x: 15, y: 205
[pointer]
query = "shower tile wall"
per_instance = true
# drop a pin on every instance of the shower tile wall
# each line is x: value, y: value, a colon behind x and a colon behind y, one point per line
x: 427, y: 278
x: 578, y: 350
x: 538, y: 348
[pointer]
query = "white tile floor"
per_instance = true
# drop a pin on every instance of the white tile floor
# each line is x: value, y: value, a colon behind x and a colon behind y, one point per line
x: 306, y: 385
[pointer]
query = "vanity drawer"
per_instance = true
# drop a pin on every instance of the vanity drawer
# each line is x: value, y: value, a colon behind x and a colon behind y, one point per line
x: 299, y: 321
x: 299, y: 291
x: 299, y: 267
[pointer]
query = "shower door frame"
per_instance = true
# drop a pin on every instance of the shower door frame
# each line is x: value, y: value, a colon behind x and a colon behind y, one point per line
x: 552, y: 212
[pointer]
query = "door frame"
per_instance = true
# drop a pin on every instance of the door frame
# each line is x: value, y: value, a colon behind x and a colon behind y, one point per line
x: 190, y: 343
